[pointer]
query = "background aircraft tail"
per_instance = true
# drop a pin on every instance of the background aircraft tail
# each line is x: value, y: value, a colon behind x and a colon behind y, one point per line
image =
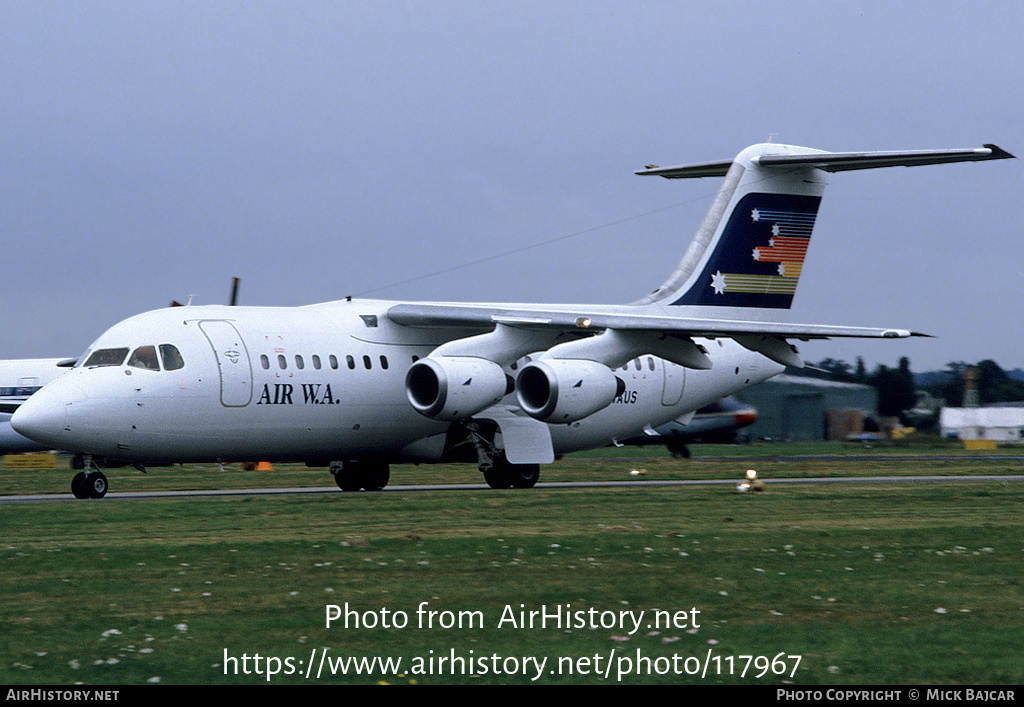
x: 750, y: 248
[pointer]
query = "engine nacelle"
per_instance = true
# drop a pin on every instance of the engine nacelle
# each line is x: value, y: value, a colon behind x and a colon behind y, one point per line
x: 566, y: 390
x: 455, y: 387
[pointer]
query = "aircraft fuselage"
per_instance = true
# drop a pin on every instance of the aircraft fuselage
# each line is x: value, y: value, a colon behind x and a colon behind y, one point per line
x: 313, y: 384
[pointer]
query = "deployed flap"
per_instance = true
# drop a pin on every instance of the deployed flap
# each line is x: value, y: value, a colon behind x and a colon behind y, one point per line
x: 526, y: 440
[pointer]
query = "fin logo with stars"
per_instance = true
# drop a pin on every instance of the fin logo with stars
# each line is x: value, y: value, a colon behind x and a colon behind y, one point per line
x: 757, y: 261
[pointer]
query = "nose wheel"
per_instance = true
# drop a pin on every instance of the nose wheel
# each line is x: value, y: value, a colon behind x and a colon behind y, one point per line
x: 89, y: 485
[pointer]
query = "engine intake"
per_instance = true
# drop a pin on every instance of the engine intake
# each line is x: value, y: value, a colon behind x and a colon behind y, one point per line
x: 566, y: 390
x: 455, y: 387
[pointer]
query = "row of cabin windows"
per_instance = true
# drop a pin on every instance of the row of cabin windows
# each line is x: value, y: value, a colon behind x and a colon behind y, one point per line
x: 317, y: 363
x: 146, y: 357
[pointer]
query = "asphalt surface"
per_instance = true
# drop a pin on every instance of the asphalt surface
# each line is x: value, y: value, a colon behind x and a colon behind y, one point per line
x: 418, y: 488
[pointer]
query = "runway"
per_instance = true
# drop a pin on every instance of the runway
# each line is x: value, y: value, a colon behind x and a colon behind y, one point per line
x: 567, y: 485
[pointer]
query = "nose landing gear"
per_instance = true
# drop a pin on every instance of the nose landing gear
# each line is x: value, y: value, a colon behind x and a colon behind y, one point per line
x: 91, y: 483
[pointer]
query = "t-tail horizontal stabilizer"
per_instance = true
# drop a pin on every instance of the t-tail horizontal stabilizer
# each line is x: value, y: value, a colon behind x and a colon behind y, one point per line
x: 837, y: 161
x: 749, y: 251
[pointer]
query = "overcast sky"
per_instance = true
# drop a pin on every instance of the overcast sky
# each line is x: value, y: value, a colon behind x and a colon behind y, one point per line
x: 155, y: 150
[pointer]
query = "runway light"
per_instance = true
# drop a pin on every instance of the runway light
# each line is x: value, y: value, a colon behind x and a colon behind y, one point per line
x: 752, y: 483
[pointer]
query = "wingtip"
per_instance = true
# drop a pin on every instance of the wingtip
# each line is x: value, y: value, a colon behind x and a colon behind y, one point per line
x: 998, y: 153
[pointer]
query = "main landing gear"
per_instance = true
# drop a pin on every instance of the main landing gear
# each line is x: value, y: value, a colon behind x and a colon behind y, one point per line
x: 498, y: 471
x: 359, y: 475
x: 678, y: 449
x: 90, y: 483
x: 502, y: 474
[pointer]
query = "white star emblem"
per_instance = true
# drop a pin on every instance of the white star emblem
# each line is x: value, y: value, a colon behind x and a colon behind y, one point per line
x: 718, y: 282
x: 756, y: 215
x: 776, y: 230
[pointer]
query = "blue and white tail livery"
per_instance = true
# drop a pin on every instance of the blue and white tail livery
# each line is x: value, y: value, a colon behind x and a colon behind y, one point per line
x: 750, y: 249
x: 360, y: 384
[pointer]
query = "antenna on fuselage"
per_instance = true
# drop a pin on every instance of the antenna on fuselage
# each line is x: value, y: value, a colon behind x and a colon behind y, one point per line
x: 233, y: 301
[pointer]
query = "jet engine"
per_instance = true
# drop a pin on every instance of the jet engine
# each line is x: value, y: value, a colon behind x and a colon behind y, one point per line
x: 455, y: 387
x: 566, y: 390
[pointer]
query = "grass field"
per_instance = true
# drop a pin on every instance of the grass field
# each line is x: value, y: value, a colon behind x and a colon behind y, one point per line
x: 803, y: 584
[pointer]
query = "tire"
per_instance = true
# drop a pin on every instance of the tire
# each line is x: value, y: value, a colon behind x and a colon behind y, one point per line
x: 524, y: 476
x: 96, y: 485
x: 78, y: 485
x: 499, y: 476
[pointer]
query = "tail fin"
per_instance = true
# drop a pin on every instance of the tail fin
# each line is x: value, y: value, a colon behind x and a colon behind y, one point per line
x: 749, y: 251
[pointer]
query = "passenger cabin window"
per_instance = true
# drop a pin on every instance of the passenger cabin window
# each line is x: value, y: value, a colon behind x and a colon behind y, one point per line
x: 316, y: 362
x: 299, y: 363
x: 145, y: 357
x: 172, y: 357
x: 107, y: 357
x: 265, y: 362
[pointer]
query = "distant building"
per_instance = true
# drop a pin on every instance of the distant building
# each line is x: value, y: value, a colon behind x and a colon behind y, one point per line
x: 1002, y: 424
x: 798, y: 408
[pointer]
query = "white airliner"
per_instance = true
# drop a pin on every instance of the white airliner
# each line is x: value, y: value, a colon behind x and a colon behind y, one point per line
x: 359, y: 384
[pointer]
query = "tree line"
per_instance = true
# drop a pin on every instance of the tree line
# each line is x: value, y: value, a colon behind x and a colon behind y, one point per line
x: 897, y: 387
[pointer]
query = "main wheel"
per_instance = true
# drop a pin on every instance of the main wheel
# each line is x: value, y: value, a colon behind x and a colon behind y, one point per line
x: 376, y: 476
x: 499, y: 476
x: 503, y: 474
x: 95, y: 485
x: 345, y: 477
x: 78, y: 485
x: 356, y: 475
x: 524, y: 476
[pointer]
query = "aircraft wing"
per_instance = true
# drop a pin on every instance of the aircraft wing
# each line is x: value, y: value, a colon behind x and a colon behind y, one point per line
x: 626, y: 335
x: 586, y: 322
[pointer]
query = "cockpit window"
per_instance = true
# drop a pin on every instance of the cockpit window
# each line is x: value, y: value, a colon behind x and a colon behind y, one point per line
x: 144, y: 357
x: 172, y: 357
x: 107, y: 357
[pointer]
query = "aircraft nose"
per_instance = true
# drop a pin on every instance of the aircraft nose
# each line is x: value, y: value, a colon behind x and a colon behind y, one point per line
x: 43, y: 417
